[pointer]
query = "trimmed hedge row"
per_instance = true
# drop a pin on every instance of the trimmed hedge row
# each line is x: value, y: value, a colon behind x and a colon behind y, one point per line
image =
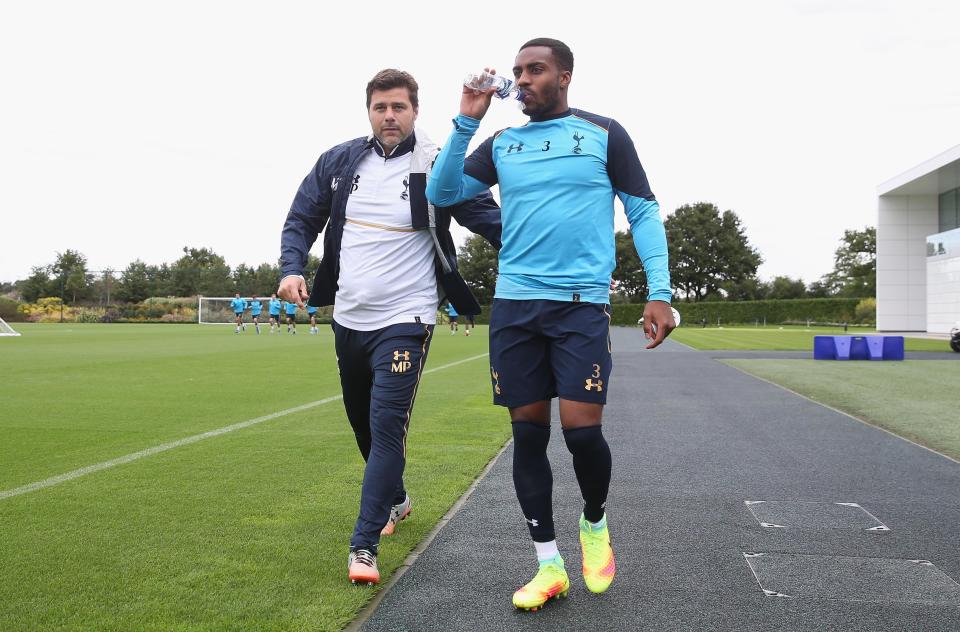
x: 820, y: 310
x: 776, y: 312
x: 9, y: 311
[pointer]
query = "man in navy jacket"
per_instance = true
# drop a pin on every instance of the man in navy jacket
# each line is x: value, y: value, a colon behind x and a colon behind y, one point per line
x: 388, y: 261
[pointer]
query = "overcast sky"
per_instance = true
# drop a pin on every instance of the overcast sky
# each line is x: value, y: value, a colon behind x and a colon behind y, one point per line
x: 130, y: 130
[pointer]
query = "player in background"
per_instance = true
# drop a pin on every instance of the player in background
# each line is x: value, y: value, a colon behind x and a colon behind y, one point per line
x: 469, y: 322
x: 291, y: 311
x: 255, y: 308
x: 239, y: 306
x: 312, y: 313
x: 452, y: 315
x: 275, y: 306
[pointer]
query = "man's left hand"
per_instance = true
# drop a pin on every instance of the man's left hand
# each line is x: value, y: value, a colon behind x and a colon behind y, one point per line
x: 657, y: 322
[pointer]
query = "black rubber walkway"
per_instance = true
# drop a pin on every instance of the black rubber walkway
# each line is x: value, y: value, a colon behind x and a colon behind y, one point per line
x: 703, y: 454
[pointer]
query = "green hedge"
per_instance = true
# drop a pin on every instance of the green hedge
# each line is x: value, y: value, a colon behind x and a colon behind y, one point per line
x: 8, y: 310
x: 819, y: 310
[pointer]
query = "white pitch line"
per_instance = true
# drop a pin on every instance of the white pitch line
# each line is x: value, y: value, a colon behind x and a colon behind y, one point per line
x: 163, y: 447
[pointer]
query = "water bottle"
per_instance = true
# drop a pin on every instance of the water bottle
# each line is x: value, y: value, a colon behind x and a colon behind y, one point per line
x: 506, y: 88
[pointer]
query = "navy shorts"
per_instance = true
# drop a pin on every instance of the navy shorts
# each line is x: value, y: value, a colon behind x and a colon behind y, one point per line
x: 540, y: 349
x: 238, y: 314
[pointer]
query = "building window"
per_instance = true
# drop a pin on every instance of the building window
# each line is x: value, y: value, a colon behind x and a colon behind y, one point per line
x: 949, y: 210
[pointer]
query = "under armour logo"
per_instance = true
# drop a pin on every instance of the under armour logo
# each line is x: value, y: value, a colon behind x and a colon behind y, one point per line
x: 496, y: 381
x: 401, y: 362
x: 577, y: 137
x: 590, y: 384
x: 406, y: 187
x: 334, y: 183
x: 356, y: 183
x: 518, y: 147
x: 533, y: 522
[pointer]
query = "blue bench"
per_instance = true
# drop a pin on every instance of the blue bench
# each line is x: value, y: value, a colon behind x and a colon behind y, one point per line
x: 858, y: 347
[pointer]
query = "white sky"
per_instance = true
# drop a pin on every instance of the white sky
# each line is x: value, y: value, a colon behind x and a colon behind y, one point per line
x: 130, y: 130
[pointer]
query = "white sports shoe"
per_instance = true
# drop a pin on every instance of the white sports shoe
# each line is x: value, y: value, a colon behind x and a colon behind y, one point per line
x: 398, y: 513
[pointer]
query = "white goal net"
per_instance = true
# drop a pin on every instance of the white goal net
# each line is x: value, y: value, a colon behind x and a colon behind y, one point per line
x: 7, y: 330
x: 216, y: 310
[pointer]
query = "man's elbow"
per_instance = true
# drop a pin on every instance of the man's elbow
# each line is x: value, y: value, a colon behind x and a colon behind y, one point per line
x: 440, y: 197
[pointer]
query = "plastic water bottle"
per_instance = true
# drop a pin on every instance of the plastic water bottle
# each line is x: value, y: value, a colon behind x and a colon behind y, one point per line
x: 506, y: 88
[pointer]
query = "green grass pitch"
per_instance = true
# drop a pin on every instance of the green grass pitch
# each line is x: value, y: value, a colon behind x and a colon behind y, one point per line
x: 246, y: 530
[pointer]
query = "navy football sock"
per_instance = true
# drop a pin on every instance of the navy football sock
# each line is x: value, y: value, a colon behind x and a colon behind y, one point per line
x: 533, y: 478
x: 592, y: 463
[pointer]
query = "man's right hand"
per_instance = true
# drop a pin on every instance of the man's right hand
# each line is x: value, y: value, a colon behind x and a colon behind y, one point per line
x: 293, y: 289
x: 474, y: 103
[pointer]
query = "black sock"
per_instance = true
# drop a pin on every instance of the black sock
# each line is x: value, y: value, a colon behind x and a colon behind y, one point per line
x: 592, y: 463
x: 533, y: 478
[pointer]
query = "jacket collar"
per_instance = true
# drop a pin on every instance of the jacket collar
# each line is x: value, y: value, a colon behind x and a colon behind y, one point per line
x: 404, y: 147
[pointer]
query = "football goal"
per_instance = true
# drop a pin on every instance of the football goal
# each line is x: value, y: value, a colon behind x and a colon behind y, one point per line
x: 216, y: 310
x: 7, y: 330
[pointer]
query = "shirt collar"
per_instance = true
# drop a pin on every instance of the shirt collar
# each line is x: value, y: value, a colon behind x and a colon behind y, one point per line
x: 552, y: 117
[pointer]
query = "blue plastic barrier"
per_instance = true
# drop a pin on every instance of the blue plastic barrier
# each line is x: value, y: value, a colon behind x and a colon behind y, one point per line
x: 858, y: 347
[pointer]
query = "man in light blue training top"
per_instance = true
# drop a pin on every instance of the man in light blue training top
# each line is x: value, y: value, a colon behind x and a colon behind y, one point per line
x: 239, y: 306
x: 291, y: 310
x: 549, y: 326
x: 312, y: 314
x: 275, y: 306
x: 452, y: 315
x: 255, y: 308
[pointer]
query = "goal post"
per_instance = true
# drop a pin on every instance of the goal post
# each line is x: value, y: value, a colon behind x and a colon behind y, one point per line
x: 7, y: 330
x: 216, y: 310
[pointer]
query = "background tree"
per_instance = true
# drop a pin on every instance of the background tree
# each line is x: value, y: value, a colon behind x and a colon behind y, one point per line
x: 629, y: 278
x: 161, y: 280
x: 267, y: 278
x: 201, y: 271
x: 818, y: 289
x: 748, y: 289
x: 784, y: 287
x: 708, y: 250
x: 37, y: 285
x: 135, y: 283
x: 245, y: 280
x: 478, y: 265
x: 855, y: 265
x: 70, y: 272
x: 104, y: 287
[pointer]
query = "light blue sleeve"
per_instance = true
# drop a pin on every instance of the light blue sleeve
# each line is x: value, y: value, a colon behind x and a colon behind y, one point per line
x: 650, y: 240
x: 448, y: 184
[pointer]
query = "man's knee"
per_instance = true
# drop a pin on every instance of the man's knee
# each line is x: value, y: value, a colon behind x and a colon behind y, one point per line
x: 535, y: 413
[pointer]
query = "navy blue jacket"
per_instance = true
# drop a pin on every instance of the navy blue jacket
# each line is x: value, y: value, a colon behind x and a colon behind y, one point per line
x: 321, y: 203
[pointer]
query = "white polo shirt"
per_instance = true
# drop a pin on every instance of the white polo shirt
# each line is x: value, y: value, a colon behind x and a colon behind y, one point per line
x: 387, y: 269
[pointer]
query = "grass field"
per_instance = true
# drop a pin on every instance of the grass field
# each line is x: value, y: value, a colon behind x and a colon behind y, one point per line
x: 774, y: 338
x: 246, y: 530
x: 915, y: 399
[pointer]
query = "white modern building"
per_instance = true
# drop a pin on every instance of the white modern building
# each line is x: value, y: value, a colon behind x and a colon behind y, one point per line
x: 918, y: 247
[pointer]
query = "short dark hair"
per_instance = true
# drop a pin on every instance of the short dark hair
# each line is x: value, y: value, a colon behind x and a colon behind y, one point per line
x: 393, y: 78
x: 561, y: 51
